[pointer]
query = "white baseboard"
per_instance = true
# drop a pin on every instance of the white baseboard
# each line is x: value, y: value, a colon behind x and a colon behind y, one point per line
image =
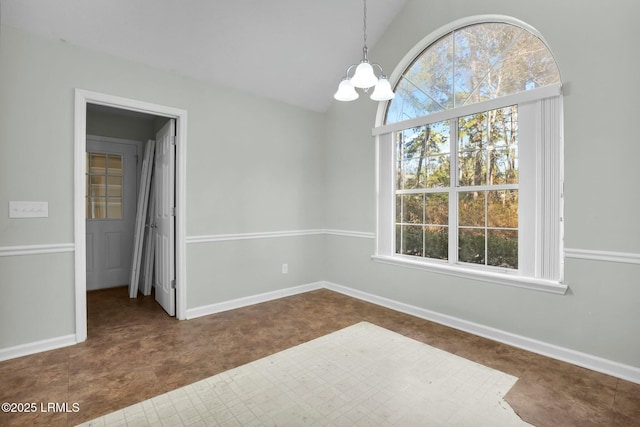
x: 250, y: 300
x: 595, y: 363
x: 37, y: 347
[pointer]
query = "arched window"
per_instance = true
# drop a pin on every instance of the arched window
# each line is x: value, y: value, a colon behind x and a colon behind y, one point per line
x: 472, y: 64
x: 470, y: 157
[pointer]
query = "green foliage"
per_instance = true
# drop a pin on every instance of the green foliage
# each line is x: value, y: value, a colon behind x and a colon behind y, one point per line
x: 487, y: 156
x: 423, y: 158
x: 471, y: 246
x: 488, y: 147
x: 437, y: 242
x: 423, y: 241
x: 472, y: 64
x: 501, y: 249
x: 469, y: 65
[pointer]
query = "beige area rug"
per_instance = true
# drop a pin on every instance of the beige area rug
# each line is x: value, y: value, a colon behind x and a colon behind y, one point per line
x: 363, y: 375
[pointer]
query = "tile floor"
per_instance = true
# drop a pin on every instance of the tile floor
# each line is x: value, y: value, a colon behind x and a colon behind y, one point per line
x: 359, y: 376
x: 135, y: 352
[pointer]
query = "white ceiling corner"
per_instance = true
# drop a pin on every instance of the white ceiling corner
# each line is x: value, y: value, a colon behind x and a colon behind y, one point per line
x: 295, y: 51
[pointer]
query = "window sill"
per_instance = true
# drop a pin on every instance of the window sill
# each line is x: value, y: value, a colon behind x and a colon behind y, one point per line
x: 468, y: 273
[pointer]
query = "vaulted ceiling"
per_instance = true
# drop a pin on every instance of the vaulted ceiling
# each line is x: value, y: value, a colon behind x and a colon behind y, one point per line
x: 295, y: 51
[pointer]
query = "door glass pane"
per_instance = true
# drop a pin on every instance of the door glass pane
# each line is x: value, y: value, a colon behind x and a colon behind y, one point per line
x: 114, y: 186
x: 104, y: 186
x: 114, y: 209
x: 97, y: 209
x: 98, y: 186
x: 115, y: 164
x: 98, y: 164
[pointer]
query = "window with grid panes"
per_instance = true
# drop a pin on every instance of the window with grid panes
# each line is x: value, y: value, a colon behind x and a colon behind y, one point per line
x: 469, y: 159
x: 484, y: 189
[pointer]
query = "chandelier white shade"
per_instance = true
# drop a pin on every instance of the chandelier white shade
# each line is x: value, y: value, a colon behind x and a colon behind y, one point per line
x: 346, y: 91
x: 382, y: 91
x: 364, y: 76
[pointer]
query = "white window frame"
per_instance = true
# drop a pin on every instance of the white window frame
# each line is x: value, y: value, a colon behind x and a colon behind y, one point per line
x: 540, y: 225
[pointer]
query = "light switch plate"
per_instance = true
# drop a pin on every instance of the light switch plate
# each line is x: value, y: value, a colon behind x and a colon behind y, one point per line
x: 28, y: 209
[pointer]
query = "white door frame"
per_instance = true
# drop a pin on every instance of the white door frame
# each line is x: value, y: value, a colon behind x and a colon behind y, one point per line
x: 82, y: 98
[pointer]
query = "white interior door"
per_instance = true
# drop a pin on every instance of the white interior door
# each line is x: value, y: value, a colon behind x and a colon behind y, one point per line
x: 111, y: 185
x: 141, y: 216
x: 149, y: 243
x: 164, y: 224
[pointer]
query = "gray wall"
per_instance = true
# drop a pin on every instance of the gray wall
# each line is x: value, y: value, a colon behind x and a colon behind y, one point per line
x: 595, y: 47
x: 103, y: 121
x: 256, y: 165
x: 253, y: 165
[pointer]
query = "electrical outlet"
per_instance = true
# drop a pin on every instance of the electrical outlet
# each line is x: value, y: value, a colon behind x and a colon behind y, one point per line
x: 285, y: 268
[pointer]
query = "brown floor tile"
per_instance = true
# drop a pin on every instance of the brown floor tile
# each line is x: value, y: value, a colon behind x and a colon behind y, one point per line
x: 37, y: 419
x: 135, y: 351
x: 545, y: 406
x: 627, y: 404
x: 116, y: 389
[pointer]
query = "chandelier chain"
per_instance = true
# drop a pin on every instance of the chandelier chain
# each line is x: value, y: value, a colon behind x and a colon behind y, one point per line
x: 364, y: 76
x: 364, y: 22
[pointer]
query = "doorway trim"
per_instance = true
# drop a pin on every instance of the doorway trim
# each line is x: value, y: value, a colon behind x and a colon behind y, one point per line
x: 82, y: 98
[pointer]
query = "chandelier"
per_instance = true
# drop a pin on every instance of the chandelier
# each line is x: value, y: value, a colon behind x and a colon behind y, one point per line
x: 364, y: 76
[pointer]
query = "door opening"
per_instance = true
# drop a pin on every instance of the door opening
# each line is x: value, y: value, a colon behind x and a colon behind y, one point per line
x: 99, y: 194
x: 110, y: 194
